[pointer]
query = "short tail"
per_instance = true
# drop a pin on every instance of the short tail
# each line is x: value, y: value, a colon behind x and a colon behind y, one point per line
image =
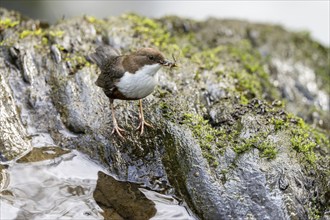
x: 102, y: 55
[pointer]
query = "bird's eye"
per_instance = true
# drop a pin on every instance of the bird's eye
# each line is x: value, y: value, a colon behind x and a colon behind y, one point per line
x: 151, y: 57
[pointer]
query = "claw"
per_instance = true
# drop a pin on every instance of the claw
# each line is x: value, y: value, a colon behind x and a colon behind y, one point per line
x: 116, y: 128
x: 142, y: 124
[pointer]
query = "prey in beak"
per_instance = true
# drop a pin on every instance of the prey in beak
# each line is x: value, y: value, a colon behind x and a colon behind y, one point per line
x: 169, y: 63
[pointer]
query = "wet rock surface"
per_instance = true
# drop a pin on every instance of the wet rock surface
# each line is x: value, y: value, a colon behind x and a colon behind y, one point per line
x: 224, y: 141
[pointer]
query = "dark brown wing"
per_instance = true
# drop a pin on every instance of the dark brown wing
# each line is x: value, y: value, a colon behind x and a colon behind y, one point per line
x: 111, y: 71
x: 102, y: 55
x: 109, y: 61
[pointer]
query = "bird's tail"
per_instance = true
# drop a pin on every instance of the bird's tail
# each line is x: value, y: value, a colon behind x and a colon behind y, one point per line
x: 102, y: 54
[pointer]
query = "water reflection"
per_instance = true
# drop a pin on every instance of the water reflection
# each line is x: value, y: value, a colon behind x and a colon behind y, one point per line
x: 63, y: 187
x: 52, y: 189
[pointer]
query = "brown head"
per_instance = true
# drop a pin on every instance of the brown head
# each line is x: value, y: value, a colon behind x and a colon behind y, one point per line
x: 144, y: 56
x: 149, y: 56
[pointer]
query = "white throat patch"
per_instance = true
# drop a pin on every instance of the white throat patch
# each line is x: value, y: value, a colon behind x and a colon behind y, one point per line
x: 140, y: 84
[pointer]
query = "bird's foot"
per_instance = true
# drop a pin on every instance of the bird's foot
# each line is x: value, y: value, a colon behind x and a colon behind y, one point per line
x: 118, y: 130
x: 142, y: 124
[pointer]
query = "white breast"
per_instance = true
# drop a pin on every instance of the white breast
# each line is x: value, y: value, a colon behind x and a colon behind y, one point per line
x: 140, y: 84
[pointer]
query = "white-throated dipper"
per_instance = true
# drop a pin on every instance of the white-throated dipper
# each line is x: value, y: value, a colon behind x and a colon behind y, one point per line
x: 128, y: 77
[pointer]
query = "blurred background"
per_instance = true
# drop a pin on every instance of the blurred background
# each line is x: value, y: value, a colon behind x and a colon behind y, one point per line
x: 312, y: 16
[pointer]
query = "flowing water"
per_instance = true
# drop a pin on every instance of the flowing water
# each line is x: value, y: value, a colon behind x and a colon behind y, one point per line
x: 63, y: 187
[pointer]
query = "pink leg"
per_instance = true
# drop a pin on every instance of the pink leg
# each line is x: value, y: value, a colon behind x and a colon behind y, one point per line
x: 141, y: 118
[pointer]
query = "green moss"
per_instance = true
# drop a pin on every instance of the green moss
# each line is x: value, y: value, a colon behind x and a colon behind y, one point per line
x: 81, y: 60
x: 278, y: 123
x: 303, y: 138
x: 44, y: 40
x: 162, y: 93
x: 314, y: 213
x: 99, y: 24
x: 320, y: 138
x: 302, y: 143
x: 253, y: 81
x: 60, y: 47
x: 45, y: 35
x: 223, y: 177
x: 167, y: 111
x: 247, y: 72
x: 207, y: 59
x: 57, y: 34
x: 8, y: 23
x: 197, y: 76
x: 247, y: 84
x: 91, y: 19
x: 247, y: 56
x: 243, y: 100
x: 77, y: 62
x: 267, y: 150
x: 148, y: 30
x: 204, y: 133
x: 247, y: 145
x: 26, y: 33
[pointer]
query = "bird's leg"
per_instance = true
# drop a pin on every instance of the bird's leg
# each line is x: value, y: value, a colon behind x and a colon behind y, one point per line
x: 116, y: 128
x: 141, y: 118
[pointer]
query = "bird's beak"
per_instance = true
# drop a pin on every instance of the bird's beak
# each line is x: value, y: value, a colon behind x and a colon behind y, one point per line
x: 168, y: 63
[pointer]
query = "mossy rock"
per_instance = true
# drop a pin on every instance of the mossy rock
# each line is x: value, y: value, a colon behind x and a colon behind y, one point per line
x: 223, y: 140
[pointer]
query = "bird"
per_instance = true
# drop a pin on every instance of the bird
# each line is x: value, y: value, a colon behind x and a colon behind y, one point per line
x: 128, y: 77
